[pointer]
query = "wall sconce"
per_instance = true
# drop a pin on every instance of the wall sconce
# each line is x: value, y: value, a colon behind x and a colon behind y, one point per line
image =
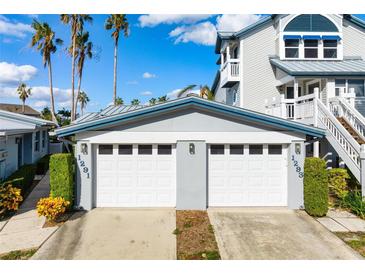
x: 84, y: 148
x: 298, y: 149
x: 191, y: 149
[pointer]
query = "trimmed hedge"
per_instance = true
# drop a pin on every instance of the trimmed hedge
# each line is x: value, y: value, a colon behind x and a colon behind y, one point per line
x: 338, y: 182
x: 22, y: 178
x: 43, y: 165
x: 315, y: 187
x: 61, y: 168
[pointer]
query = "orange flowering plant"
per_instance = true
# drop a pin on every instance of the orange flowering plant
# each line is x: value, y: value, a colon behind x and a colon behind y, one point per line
x: 10, y: 198
x: 51, y: 208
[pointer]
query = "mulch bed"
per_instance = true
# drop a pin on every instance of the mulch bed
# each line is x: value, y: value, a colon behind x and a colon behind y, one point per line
x: 18, y: 255
x: 59, y: 221
x: 195, y: 236
x: 356, y: 240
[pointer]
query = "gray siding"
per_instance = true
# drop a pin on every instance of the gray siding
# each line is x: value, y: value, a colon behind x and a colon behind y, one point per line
x: 353, y: 40
x: 258, y: 77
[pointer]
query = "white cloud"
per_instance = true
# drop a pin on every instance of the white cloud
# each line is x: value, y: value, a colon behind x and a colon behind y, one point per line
x: 173, y: 94
x: 152, y: 20
x: 203, y: 33
x: 16, y: 29
x: 235, y: 22
x: 146, y: 93
x: 148, y: 75
x: 12, y: 73
x: 40, y: 104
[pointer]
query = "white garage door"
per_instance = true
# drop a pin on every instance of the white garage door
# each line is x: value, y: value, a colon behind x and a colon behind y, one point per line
x: 136, y: 175
x: 247, y: 175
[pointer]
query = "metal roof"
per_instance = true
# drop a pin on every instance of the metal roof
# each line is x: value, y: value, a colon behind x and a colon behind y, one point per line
x: 109, y: 111
x: 352, y: 67
x: 25, y: 118
x: 181, y: 103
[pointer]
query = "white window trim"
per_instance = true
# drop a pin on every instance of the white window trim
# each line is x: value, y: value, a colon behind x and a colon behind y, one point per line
x: 347, y: 84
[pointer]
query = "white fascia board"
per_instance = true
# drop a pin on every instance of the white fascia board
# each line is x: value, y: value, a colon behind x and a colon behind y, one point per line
x: 115, y: 137
x: 284, y: 80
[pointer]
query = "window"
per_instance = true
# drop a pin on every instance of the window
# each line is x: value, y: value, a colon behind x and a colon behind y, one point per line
x: 105, y: 149
x: 310, y: 48
x: 275, y: 149
x: 292, y: 48
x: 339, y: 84
x: 43, y: 138
x: 125, y: 149
x: 36, y: 141
x: 145, y: 149
x: 330, y: 48
x: 357, y: 85
x: 235, y: 96
x: 236, y: 149
x: 256, y: 149
x: 289, y: 92
x: 217, y: 149
x: 164, y: 149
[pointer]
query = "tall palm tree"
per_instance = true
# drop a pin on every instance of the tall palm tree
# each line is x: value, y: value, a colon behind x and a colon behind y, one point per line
x: 46, y: 43
x: 119, y: 101
x: 117, y: 22
x: 83, y: 99
x: 204, y: 92
x: 135, y: 102
x: 76, y: 22
x: 152, y: 101
x: 24, y: 93
x: 162, y: 99
x: 83, y: 50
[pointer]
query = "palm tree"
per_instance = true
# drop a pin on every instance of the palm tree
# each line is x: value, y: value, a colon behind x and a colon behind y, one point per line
x: 24, y: 93
x: 135, y: 102
x: 117, y: 22
x: 83, y: 99
x: 76, y: 22
x: 83, y: 50
x: 204, y: 92
x: 46, y: 43
x: 162, y: 99
x: 46, y: 114
x: 119, y: 101
x: 152, y: 101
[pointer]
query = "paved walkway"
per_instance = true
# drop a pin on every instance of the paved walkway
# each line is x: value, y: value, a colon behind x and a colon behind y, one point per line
x: 342, y: 221
x: 24, y: 230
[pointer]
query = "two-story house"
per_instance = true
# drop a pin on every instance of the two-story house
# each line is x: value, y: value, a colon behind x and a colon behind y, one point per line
x: 308, y: 68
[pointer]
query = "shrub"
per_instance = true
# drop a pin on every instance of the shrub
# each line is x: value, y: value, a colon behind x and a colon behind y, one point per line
x: 338, y: 182
x: 10, y: 198
x: 62, y: 176
x: 355, y: 203
x: 51, y: 208
x: 315, y: 187
x: 43, y: 165
x: 22, y: 178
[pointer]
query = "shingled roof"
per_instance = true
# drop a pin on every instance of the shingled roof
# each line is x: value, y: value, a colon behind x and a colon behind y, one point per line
x: 19, y: 109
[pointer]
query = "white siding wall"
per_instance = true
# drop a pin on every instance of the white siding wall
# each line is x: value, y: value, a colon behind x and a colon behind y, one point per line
x: 258, y: 77
x: 353, y: 40
x: 11, y: 161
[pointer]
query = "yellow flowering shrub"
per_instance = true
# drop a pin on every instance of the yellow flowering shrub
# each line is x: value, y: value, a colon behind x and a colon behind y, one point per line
x: 10, y: 198
x: 51, y: 208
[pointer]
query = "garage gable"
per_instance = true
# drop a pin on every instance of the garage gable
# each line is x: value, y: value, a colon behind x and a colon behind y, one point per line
x: 160, y: 112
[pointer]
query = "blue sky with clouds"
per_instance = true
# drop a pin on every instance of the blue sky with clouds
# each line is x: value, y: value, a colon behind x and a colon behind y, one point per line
x: 162, y: 54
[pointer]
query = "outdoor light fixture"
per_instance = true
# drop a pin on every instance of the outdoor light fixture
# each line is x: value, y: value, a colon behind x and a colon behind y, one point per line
x: 297, y: 149
x: 84, y: 148
x: 191, y: 149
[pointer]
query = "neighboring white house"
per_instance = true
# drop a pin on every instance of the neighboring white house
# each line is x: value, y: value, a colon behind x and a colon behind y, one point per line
x: 23, y: 140
x: 308, y: 68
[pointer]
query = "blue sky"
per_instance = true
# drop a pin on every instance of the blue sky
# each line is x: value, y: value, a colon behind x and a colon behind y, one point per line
x: 174, y: 50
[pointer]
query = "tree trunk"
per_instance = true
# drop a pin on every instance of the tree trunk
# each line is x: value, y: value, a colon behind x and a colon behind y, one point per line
x: 78, y: 92
x: 51, y: 91
x: 23, y: 107
x: 73, y: 74
x: 115, y: 71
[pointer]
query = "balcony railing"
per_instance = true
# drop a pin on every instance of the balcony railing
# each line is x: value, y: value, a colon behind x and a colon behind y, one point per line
x: 230, y: 72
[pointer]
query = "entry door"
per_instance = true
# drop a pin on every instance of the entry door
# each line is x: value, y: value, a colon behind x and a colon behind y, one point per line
x: 247, y: 175
x: 136, y: 175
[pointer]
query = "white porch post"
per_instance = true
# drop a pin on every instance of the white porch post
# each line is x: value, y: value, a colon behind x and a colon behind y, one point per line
x: 296, y: 93
x: 282, y: 106
x: 228, y: 53
x: 315, y: 120
x: 362, y: 169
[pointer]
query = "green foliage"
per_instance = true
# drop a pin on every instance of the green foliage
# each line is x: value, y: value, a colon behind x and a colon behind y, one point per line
x: 355, y: 203
x: 22, y: 178
x: 315, y: 187
x: 338, y: 182
x: 43, y: 165
x: 61, y: 167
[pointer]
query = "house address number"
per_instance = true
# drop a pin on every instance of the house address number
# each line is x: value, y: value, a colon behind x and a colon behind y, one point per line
x: 298, y: 169
x: 83, y: 166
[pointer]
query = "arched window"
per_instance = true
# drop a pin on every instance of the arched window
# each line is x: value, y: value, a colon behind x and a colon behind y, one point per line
x: 311, y: 23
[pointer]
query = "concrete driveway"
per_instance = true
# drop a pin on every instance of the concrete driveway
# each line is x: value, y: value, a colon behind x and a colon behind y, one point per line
x: 274, y: 233
x: 114, y: 234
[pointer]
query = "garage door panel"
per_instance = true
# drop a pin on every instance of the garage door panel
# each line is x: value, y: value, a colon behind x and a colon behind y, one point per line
x: 247, y: 179
x: 125, y: 165
x: 145, y: 165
